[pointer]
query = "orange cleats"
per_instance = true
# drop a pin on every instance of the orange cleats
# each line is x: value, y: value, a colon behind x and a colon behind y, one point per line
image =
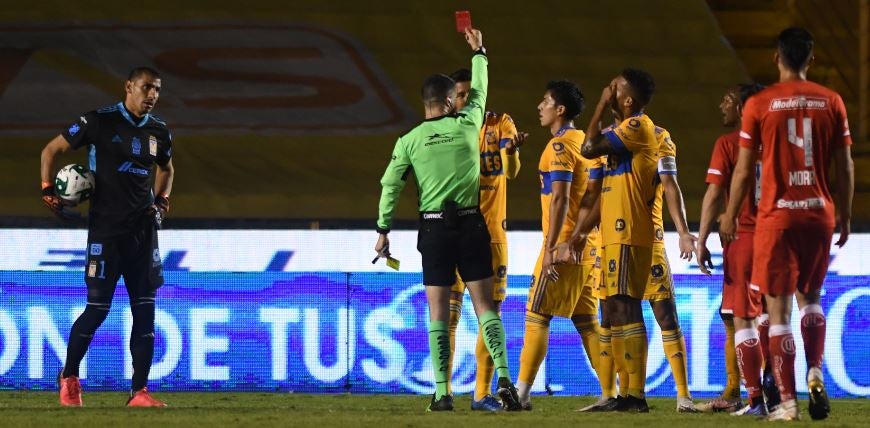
x: 142, y: 398
x: 70, y: 391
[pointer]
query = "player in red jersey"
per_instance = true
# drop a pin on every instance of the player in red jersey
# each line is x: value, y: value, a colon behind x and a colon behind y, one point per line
x: 741, y: 304
x: 800, y: 127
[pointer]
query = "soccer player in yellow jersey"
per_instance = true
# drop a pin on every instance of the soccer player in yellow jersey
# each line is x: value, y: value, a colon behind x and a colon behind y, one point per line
x: 564, y: 290
x: 660, y: 288
x: 499, y: 162
x: 627, y: 228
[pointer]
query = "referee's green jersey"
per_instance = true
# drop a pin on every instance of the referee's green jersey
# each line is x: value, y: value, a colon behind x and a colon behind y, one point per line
x: 444, y: 153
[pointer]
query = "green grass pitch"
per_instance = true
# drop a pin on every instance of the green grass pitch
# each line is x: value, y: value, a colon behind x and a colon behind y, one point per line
x: 214, y: 410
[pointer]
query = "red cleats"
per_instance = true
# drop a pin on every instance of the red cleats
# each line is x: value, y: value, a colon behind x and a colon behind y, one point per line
x: 142, y: 398
x: 70, y: 391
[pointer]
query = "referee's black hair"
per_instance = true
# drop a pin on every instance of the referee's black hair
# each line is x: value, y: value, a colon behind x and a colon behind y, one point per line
x: 461, y: 75
x: 566, y: 93
x: 436, y: 88
x: 746, y: 90
x: 795, y: 45
x: 142, y: 70
x: 642, y: 85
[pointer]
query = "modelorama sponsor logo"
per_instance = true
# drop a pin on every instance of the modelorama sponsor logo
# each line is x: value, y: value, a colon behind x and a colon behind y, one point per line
x: 794, y: 103
x: 308, y: 346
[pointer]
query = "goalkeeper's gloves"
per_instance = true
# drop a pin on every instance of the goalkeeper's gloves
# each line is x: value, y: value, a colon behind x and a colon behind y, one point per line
x: 161, y: 209
x: 55, y: 203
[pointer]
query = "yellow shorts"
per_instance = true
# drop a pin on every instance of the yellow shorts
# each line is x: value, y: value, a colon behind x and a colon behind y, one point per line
x: 626, y: 269
x: 660, y: 285
x: 499, y: 269
x: 571, y: 294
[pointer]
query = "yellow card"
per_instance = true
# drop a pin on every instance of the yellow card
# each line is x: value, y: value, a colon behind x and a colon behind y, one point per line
x: 393, y: 263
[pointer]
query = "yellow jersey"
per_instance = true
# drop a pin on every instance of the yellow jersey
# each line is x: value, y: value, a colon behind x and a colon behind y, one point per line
x: 667, y: 165
x: 561, y: 161
x: 628, y: 191
x: 496, y: 167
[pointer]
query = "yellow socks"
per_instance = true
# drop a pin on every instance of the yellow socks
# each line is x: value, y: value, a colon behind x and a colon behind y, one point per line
x: 604, y: 368
x: 634, y: 359
x: 675, y: 350
x: 535, y: 341
x: 485, y: 369
x: 732, y: 387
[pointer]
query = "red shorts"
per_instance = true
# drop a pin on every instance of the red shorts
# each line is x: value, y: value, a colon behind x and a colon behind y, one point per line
x: 739, y: 297
x: 791, y: 260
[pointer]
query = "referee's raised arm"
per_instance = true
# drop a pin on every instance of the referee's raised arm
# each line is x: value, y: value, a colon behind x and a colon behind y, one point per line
x: 475, y: 109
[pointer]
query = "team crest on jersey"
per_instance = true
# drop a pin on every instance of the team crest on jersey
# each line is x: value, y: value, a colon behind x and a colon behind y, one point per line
x: 634, y: 123
x: 611, y: 266
x: 558, y: 147
x: 620, y: 225
x: 74, y: 129
x: 490, y: 137
x: 657, y: 271
x: 660, y: 234
x: 96, y: 249
x: 136, y: 146
x: 152, y: 145
x: 501, y: 272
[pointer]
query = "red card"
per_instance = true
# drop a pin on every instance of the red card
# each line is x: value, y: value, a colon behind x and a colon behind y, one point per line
x: 463, y: 20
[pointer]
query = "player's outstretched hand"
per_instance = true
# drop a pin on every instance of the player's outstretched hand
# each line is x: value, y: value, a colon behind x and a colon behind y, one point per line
x: 687, y: 246
x: 845, y: 229
x: 516, y: 142
x: 56, y: 204
x: 474, y: 38
x: 705, y: 262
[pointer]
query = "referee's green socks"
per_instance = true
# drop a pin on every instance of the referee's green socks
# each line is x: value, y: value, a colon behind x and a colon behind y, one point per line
x: 439, y: 348
x: 493, y: 337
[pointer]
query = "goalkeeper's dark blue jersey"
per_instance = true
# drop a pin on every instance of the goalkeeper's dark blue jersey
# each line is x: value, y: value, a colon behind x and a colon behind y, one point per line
x: 122, y: 153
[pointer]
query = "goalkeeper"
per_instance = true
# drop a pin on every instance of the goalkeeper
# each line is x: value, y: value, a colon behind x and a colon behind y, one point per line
x: 444, y: 155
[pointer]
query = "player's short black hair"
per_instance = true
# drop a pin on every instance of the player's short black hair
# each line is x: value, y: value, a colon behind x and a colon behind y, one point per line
x: 436, y: 88
x: 461, y: 75
x: 139, y: 71
x: 566, y: 93
x: 642, y: 84
x: 795, y: 46
x: 746, y: 90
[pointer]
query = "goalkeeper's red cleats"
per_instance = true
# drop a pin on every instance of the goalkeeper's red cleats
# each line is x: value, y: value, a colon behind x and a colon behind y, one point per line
x: 70, y: 391
x: 142, y: 398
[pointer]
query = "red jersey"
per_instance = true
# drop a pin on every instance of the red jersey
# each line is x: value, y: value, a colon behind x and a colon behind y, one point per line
x: 721, y: 168
x: 796, y: 125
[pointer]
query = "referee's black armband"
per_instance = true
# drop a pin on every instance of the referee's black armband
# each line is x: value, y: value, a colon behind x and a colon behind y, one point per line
x: 481, y: 51
x: 381, y: 230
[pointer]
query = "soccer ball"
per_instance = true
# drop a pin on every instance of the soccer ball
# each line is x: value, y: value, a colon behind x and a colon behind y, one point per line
x: 74, y: 183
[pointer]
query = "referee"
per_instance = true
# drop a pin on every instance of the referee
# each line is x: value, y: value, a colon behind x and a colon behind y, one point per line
x: 444, y: 155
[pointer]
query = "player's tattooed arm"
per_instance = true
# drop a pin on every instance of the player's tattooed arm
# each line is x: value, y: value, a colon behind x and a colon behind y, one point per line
x: 596, y: 144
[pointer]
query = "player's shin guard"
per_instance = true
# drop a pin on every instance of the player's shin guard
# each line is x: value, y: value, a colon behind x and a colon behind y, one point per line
x: 813, y: 332
x: 81, y: 334
x: 439, y: 349
x: 732, y: 370
x: 749, y: 358
x: 589, y: 330
x: 782, y: 353
x: 455, y: 316
x: 535, y: 341
x: 142, y: 340
x: 605, y: 369
x: 485, y: 369
x: 675, y: 350
x: 494, y: 338
x: 636, y: 347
